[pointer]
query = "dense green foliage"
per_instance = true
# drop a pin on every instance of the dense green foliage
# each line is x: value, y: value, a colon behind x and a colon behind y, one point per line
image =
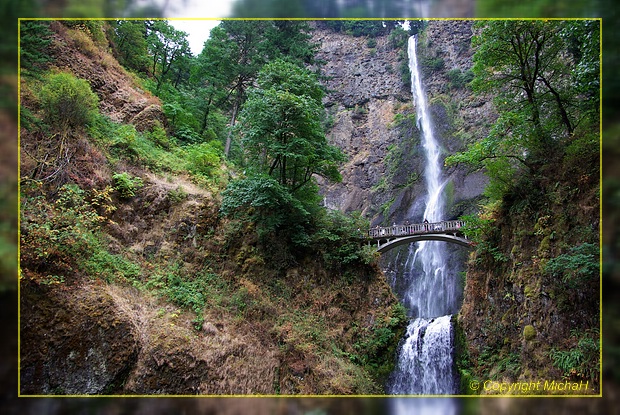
x: 544, y: 79
x: 129, y: 40
x: 285, y: 145
x: 126, y: 184
x: 33, y: 41
x: 264, y: 201
x: 282, y: 129
x: 358, y: 28
x: 67, y: 102
x: 169, y: 53
x: 577, y: 267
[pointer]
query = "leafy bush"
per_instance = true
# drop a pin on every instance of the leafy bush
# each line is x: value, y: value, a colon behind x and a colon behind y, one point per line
x: 432, y: 64
x: 262, y: 200
x: 581, y: 361
x: 126, y: 184
x: 159, y: 136
x: 61, y: 239
x: 579, y: 265
x: 483, y: 233
x: 67, y: 101
x: 203, y: 158
x: 398, y: 38
x: 459, y: 79
x: 124, y: 141
x: 338, y: 239
x: 377, y: 347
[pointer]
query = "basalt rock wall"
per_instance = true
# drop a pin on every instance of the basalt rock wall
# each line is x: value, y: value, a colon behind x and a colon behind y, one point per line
x: 372, y: 118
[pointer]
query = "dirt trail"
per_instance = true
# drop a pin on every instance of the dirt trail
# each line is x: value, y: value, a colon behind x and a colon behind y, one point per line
x: 178, y: 182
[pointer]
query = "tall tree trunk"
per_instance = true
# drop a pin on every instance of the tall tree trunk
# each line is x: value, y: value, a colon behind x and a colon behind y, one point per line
x: 561, y: 107
x: 203, y: 126
x: 232, y: 124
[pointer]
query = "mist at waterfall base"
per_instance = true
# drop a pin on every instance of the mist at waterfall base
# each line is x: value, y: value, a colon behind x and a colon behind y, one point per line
x: 428, y: 290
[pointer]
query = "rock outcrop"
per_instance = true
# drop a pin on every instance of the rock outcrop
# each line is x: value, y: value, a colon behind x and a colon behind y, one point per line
x: 73, y: 50
x: 373, y: 121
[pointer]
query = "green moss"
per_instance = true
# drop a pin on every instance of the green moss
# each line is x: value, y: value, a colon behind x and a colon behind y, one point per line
x: 544, y: 249
x: 462, y: 360
x: 529, y: 332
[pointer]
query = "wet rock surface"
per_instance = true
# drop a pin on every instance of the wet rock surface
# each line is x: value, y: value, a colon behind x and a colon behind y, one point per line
x: 373, y: 120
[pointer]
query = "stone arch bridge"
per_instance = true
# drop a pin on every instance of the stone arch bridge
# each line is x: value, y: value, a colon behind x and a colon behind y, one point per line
x: 390, y: 237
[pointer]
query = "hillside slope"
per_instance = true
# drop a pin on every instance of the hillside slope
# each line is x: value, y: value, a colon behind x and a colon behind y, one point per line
x: 132, y: 282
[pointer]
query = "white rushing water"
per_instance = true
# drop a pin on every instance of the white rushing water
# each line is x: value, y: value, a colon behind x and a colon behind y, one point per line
x: 425, y: 361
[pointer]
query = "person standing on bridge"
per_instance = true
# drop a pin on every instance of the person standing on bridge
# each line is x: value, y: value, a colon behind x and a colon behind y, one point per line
x: 425, y: 224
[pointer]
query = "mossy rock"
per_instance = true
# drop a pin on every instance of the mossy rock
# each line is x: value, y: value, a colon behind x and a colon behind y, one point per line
x: 529, y: 332
x: 544, y: 248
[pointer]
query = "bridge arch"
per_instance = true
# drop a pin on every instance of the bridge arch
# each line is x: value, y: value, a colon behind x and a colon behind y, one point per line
x: 390, y: 237
x: 393, y: 243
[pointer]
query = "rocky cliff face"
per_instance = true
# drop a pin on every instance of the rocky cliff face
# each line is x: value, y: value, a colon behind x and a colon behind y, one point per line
x: 373, y: 119
x: 365, y: 93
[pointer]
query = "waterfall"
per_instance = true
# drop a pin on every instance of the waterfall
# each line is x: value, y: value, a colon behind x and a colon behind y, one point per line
x: 425, y: 361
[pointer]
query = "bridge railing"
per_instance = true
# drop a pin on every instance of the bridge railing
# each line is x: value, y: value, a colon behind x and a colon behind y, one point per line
x: 416, y: 229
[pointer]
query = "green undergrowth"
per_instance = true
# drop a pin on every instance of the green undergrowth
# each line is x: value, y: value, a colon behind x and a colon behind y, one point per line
x: 537, y: 254
x: 64, y: 243
x: 158, y: 152
x: 61, y: 239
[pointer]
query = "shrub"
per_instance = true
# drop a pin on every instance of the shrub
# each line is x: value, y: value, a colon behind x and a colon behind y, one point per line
x: 581, y: 361
x: 398, y: 38
x: 275, y: 211
x: 159, y: 136
x: 459, y: 79
x: 377, y: 346
x: 432, y: 64
x: 578, y: 266
x: 203, y: 158
x: 67, y: 102
x: 126, y: 184
x: 338, y: 239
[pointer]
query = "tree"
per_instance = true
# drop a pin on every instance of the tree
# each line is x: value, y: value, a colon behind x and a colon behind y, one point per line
x: 283, y: 135
x: 130, y: 41
x: 35, y: 36
x: 213, y: 74
x: 234, y: 54
x: 282, y: 130
x: 167, y: 47
x: 543, y: 75
x: 248, y: 57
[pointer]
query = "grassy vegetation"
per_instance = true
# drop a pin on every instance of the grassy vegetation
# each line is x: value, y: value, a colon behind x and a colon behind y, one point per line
x: 140, y: 210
